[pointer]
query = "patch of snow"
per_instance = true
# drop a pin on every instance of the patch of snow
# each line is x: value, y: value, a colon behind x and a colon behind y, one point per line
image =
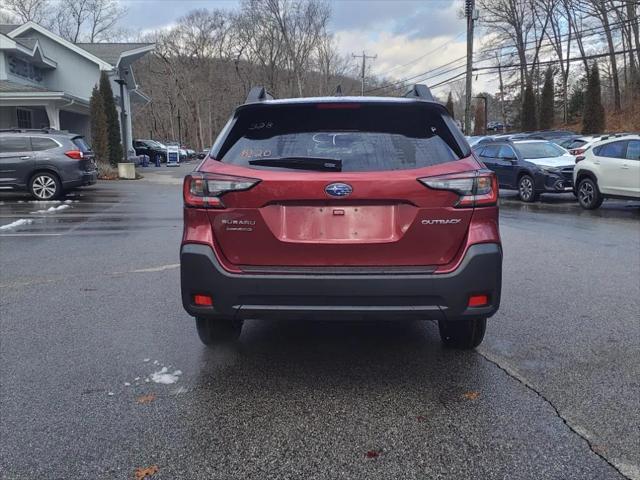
x: 146, y: 380
x: 163, y: 376
x: 43, y: 202
x: 136, y: 379
x: 52, y: 209
x: 127, y: 384
x: 155, y: 362
x: 17, y: 223
x: 146, y: 359
x: 110, y: 394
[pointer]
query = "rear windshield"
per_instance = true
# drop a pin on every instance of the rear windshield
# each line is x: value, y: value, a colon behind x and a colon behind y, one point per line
x: 81, y: 144
x: 539, y: 150
x: 363, y: 137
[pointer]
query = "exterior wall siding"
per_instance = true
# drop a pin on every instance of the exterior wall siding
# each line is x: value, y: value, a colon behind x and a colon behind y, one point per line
x: 75, y: 74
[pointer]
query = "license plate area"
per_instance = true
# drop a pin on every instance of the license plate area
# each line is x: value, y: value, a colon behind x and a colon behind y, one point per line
x: 342, y: 224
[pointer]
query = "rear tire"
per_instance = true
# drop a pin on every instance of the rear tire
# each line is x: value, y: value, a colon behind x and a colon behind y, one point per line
x: 218, y: 330
x: 589, y: 196
x: 527, y: 189
x: 45, y: 186
x: 464, y: 334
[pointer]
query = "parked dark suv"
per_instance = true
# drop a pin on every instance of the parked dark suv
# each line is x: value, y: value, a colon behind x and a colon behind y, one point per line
x: 341, y: 208
x: 151, y: 148
x: 531, y: 167
x: 45, y: 162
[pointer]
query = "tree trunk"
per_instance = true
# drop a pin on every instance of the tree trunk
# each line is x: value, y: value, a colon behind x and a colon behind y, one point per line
x: 617, y: 103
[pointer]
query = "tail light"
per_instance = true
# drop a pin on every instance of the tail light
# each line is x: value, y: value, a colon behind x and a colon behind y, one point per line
x: 576, y: 151
x: 476, y: 189
x: 579, y: 158
x: 203, y: 190
x: 75, y: 154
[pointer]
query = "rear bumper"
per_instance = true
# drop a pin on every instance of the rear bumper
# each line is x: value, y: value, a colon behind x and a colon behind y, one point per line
x: 85, y: 178
x: 343, y: 296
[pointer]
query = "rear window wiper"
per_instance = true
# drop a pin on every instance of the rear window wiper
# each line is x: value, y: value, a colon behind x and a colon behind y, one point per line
x: 301, y: 163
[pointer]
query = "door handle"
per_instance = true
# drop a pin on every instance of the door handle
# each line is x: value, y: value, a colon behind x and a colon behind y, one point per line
x: 25, y: 158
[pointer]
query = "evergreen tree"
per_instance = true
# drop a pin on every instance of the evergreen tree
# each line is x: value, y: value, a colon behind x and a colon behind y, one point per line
x: 450, y: 105
x: 479, y: 120
x: 528, y: 116
x: 593, y: 120
x: 99, y: 133
x: 113, y: 124
x: 547, y: 101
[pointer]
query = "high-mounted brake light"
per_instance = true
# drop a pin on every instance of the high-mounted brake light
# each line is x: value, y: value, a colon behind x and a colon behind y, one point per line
x: 203, y: 190
x: 476, y: 189
x: 338, y: 106
x: 75, y: 154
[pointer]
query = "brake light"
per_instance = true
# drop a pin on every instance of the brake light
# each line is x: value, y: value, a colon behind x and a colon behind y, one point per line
x: 577, y: 151
x: 338, y: 106
x: 203, y: 190
x: 476, y: 189
x: 580, y: 158
x: 75, y: 154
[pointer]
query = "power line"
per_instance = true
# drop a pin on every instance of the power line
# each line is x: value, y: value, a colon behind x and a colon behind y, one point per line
x: 430, y: 52
x: 595, y: 30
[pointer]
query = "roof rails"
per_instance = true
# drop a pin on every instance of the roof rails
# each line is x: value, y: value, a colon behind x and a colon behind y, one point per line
x: 258, y: 94
x: 33, y: 130
x: 420, y: 91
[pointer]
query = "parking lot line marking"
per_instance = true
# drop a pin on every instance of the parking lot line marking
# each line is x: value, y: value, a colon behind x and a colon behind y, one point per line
x: 31, y: 234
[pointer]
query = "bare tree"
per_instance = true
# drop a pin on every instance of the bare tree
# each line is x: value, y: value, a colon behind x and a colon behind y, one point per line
x: 28, y: 10
x: 301, y: 23
x: 601, y: 10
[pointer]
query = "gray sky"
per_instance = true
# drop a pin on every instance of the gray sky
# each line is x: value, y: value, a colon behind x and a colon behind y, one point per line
x: 398, y: 31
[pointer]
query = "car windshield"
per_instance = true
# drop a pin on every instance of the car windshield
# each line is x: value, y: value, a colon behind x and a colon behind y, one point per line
x: 539, y: 150
x: 362, y: 137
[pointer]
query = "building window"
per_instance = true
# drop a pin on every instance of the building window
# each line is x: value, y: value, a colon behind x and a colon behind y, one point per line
x: 24, y: 118
x: 24, y: 69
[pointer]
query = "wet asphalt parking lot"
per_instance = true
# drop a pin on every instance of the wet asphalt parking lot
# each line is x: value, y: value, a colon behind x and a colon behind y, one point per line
x: 90, y: 315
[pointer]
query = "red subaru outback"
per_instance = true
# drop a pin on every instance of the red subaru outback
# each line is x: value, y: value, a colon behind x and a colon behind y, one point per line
x: 341, y: 208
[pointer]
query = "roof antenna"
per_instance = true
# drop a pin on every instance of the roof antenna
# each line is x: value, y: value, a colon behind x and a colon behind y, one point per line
x: 338, y: 91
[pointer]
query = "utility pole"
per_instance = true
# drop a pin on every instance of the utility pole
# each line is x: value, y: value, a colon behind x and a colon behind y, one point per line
x: 470, y: 12
x: 123, y: 121
x: 364, y: 63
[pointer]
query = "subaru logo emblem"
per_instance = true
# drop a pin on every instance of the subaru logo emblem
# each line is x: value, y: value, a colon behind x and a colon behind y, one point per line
x: 338, y: 189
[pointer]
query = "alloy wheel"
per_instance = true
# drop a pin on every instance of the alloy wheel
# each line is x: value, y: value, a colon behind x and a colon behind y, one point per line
x: 586, y: 193
x: 44, y: 187
x: 526, y: 188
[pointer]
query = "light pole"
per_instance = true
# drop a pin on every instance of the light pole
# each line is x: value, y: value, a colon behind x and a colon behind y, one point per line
x: 123, y: 119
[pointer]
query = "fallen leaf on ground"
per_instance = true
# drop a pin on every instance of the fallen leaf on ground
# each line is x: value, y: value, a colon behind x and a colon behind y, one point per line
x: 146, y: 398
x: 145, y: 472
x: 471, y: 395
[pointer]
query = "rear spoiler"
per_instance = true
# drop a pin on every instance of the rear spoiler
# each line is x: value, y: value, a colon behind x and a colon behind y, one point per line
x: 420, y: 91
x: 258, y: 94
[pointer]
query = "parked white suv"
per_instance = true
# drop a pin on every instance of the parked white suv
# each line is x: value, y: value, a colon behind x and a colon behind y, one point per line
x: 609, y: 169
